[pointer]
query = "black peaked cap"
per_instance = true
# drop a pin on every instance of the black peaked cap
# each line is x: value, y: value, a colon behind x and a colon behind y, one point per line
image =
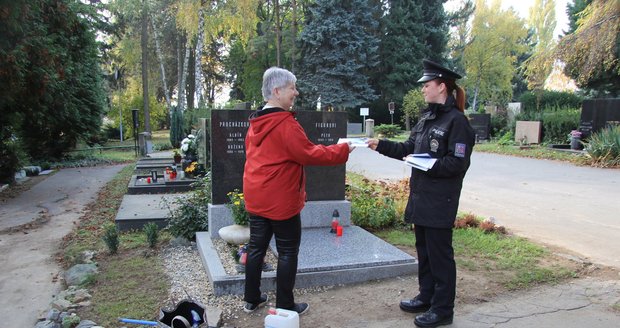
x: 433, y: 71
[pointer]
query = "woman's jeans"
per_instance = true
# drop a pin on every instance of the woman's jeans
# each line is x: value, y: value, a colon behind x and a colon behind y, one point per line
x: 288, y: 238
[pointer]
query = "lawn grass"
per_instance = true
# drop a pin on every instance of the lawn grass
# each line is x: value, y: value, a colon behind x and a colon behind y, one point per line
x: 512, y: 261
x: 129, y: 284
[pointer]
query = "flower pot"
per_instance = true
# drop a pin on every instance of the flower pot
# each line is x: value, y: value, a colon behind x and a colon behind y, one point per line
x: 235, y: 234
x: 177, y: 159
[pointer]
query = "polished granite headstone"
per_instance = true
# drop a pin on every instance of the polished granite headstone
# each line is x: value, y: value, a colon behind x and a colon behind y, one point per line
x: 597, y: 114
x: 325, y: 128
x: 481, y: 123
x: 324, y: 184
x: 228, y: 130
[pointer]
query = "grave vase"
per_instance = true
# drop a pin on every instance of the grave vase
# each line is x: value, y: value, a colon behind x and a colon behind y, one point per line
x: 575, y: 143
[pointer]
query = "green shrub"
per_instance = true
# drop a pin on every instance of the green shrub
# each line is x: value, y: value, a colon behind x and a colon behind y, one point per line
x: 191, y: 215
x: 152, y: 233
x: 110, y: 237
x: 162, y: 146
x: 177, y: 128
x: 558, y: 123
x: 499, y: 124
x: 70, y: 321
x: 507, y: 139
x: 13, y: 157
x: 549, y: 99
x: 387, y: 130
x: 111, y: 132
x: 604, y: 147
x: 371, y: 207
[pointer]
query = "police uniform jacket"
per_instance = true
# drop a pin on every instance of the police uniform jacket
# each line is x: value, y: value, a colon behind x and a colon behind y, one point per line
x: 444, y: 133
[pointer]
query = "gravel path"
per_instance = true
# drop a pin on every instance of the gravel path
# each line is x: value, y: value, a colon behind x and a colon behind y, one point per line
x: 188, y: 278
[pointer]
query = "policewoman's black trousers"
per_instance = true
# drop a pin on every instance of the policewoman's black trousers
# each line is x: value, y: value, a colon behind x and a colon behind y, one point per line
x: 436, y: 268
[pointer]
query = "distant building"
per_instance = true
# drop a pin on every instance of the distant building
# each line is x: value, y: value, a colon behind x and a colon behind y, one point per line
x: 557, y: 81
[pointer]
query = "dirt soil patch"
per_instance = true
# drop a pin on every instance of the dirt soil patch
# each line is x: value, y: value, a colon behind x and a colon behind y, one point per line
x: 377, y: 301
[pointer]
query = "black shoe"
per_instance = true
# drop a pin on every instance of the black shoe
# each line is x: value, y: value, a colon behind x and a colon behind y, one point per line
x: 414, y: 305
x: 251, y: 307
x: 432, y: 319
x: 301, y: 308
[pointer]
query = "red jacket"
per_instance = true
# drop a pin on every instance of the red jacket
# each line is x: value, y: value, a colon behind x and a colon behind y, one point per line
x: 277, y: 148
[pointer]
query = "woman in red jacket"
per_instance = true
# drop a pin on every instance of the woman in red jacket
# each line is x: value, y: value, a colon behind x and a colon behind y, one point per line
x: 274, y: 187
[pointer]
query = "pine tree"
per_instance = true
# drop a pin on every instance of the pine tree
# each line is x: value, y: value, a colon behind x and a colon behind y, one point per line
x: 56, y: 91
x: 414, y: 30
x: 339, y: 48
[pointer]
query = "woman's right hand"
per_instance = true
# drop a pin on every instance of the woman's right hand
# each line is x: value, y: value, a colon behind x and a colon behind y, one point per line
x: 372, y: 143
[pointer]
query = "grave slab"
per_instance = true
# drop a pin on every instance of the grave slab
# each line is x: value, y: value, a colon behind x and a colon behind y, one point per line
x: 154, y: 163
x: 137, y: 210
x: 139, y: 185
x: 324, y: 260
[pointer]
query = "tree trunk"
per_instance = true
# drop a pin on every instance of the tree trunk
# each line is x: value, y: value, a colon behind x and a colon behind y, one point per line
x: 188, y: 48
x: 294, y: 31
x: 476, y: 90
x: 160, y: 56
x: 407, y: 123
x: 145, y: 72
x: 277, y: 26
x: 197, y: 61
x: 190, y: 85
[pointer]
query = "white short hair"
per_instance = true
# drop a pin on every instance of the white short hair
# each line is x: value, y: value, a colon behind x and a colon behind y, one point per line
x: 276, y: 77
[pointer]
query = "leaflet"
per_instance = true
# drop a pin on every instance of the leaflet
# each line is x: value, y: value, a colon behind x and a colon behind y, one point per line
x: 356, y: 142
x: 420, y: 161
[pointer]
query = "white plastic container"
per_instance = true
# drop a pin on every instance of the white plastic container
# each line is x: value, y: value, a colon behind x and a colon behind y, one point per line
x: 280, y: 318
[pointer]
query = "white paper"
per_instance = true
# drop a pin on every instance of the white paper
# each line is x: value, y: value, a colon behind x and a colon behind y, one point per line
x: 420, y: 161
x: 356, y: 142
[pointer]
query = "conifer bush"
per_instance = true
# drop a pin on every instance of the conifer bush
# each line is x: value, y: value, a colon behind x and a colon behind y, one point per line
x: 152, y: 233
x: 110, y: 237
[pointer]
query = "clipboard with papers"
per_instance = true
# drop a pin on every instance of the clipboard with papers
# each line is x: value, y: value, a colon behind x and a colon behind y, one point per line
x: 420, y: 161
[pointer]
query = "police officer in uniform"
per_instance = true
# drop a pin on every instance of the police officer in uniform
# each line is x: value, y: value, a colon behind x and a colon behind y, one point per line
x: 444, y: 133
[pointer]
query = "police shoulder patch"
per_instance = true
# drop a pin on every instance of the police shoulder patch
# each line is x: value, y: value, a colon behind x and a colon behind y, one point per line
x: 460, y: 149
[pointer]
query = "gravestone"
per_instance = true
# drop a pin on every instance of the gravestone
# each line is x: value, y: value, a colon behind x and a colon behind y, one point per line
x: 597, y: 114
x: 324, y: 184
x: 514, y: 109
x: 204, y: 144
x: 243, y: 106
x: 481, y: 123
x: 528, y: 132
x: 228, y: 130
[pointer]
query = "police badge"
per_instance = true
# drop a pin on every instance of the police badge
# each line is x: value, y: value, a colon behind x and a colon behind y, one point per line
x: 434, y: 145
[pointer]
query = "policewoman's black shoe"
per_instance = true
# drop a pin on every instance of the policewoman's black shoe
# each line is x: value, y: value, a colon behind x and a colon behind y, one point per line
x: 414, y: 305
x: 432, y: 319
